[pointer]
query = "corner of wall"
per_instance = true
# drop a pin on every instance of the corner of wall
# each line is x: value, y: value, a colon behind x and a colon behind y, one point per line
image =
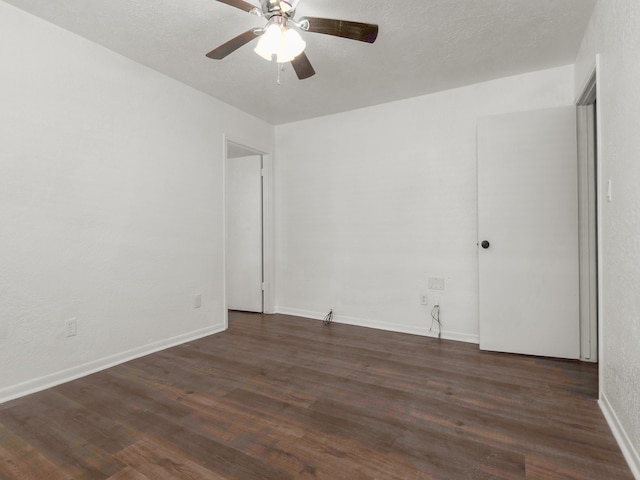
x: 389, y: 327
x: 628, y: 450
x: 57, y: 378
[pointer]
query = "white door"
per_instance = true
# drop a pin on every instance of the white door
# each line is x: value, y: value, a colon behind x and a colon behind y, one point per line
x: 244, y: 233
x: 528, y: 214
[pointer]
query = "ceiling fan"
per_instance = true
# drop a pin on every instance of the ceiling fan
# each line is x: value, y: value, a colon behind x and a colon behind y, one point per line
x: 279, y: 40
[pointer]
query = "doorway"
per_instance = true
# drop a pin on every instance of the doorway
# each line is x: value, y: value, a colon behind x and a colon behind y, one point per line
x: 588, y: 201
x: 246, y: 221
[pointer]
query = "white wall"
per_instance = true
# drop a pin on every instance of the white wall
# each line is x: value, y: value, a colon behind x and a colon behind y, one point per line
x: 614, y: 33
x: 371, y: 202
x: 110, y: 205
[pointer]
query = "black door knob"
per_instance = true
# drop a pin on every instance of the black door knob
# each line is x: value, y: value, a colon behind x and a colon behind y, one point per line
x: 485, y: 244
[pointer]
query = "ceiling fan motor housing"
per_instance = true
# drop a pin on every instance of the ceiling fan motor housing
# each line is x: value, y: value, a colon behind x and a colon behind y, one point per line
x: 278, y: 7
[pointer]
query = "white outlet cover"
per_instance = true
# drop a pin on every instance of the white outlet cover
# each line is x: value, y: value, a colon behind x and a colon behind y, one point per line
x: 436, y: 283
x: 70, y: 327
x: 197, y: 301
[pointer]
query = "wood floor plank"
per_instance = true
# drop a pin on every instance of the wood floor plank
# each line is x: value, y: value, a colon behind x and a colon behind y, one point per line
x: 156, y: 458
x: 279, y: 397
x: 129, y: 473
x: 20, y: 460
x: 37, y: 422
x: 166, y: 419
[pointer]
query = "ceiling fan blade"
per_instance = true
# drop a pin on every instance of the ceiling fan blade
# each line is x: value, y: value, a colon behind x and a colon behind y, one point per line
x: 232, y: 45
x: 241, y: 4
x: 363, y: 32
x: 302, y: 66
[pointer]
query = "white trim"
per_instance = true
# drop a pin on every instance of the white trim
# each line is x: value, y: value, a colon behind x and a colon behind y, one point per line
x: 391, y: 327
x: 599, y: 234
x: 628, y: 450
x: 588, y: 91
x: 225, y: 311
x: 32, y: 386
x: 268, y: 246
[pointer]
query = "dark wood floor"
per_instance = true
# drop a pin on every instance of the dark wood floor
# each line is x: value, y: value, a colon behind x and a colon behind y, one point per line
x: 278, y: 397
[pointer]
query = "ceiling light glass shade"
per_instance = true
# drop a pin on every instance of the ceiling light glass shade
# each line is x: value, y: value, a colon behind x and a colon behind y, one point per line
x: 292, y: 46
x: 269, y: 42
x: 285, y: 43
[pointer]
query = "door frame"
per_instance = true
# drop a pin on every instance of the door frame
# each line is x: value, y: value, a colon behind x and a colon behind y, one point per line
x: 268, y: 300
x: 588, y: 178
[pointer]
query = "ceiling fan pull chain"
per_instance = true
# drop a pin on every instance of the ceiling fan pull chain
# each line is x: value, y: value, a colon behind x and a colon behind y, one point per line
x: 280, y: 67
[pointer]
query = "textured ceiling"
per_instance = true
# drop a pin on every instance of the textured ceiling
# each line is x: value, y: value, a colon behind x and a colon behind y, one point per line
x: 424, y: 46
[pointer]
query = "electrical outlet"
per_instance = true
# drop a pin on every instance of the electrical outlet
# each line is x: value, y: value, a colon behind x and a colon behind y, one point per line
x: 70, y: 327
x: 436, y: 283
x: 197, y: 301
x: 424, y: 299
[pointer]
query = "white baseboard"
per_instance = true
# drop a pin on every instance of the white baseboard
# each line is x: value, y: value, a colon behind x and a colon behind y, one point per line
x: 391, y: 327
x: 628, y: 450
x: 21, y: 389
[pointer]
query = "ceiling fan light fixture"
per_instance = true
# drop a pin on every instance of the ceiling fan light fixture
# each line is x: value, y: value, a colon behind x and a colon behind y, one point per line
x: 280, y: 37
x: 285, y: 43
